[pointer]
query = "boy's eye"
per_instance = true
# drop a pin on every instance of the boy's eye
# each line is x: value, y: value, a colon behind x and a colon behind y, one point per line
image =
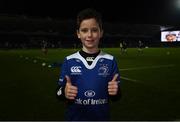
x: 84, y: 30
x: 94, y: 29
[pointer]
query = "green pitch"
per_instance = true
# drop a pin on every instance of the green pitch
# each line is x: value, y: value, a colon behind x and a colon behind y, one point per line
x: 149, y: 80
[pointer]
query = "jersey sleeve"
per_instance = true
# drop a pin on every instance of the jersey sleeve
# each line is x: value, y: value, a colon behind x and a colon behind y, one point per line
x: 115, y: 70
x: 62, y: 80
x: 63, y: 73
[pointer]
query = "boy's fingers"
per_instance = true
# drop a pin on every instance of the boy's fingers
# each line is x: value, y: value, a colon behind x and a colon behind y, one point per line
x: 72, y: 88
x: 112, y: 86
x: 71, y: 98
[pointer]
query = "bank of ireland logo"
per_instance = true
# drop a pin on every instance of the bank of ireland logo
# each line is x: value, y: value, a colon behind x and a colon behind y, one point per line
x: 76, y: 70
x: 89, y: 93
x: 103, y: 70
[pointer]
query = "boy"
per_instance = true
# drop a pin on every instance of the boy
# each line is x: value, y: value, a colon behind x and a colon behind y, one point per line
x: 89, y: 78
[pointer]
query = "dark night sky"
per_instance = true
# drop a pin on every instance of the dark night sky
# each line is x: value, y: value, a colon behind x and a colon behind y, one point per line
x: 161, y: 12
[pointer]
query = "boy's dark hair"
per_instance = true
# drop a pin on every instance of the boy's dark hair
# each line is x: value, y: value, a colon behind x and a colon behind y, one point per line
x: 87, y: 14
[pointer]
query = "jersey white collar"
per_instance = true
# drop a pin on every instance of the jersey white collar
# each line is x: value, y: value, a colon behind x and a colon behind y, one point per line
x: 101, y: 55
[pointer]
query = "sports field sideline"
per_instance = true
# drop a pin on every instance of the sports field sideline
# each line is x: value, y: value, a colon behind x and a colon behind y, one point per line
x: 150, y: 84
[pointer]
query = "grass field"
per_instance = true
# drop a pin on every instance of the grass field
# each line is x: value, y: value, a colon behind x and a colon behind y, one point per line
x: 150, y: 84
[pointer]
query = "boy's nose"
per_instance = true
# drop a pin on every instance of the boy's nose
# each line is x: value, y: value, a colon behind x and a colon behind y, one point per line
x: 89, y: 33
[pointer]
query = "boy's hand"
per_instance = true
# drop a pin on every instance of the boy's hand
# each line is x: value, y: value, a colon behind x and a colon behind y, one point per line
x: 113, y: 86
x: 70, y: 90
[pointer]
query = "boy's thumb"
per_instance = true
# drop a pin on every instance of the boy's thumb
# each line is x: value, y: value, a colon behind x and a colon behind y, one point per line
x: 115, y: 77
x: 68, y: 79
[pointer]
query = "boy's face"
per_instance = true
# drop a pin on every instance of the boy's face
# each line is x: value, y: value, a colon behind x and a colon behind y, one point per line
x: 89, y: 33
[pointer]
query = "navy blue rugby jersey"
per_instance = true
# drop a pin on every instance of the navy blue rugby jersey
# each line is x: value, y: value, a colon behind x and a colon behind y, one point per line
x: 91, y: 102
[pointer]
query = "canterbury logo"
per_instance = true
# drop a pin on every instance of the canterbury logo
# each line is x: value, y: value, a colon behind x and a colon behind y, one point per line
x: 76, y: 69
x: 90, y: 59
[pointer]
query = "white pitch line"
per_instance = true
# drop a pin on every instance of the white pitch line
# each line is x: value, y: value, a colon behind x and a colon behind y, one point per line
x: 125, y: 78
x: 148, y: 67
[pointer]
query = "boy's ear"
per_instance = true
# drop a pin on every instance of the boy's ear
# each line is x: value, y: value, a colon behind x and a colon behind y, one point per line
x: 78, y: 35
